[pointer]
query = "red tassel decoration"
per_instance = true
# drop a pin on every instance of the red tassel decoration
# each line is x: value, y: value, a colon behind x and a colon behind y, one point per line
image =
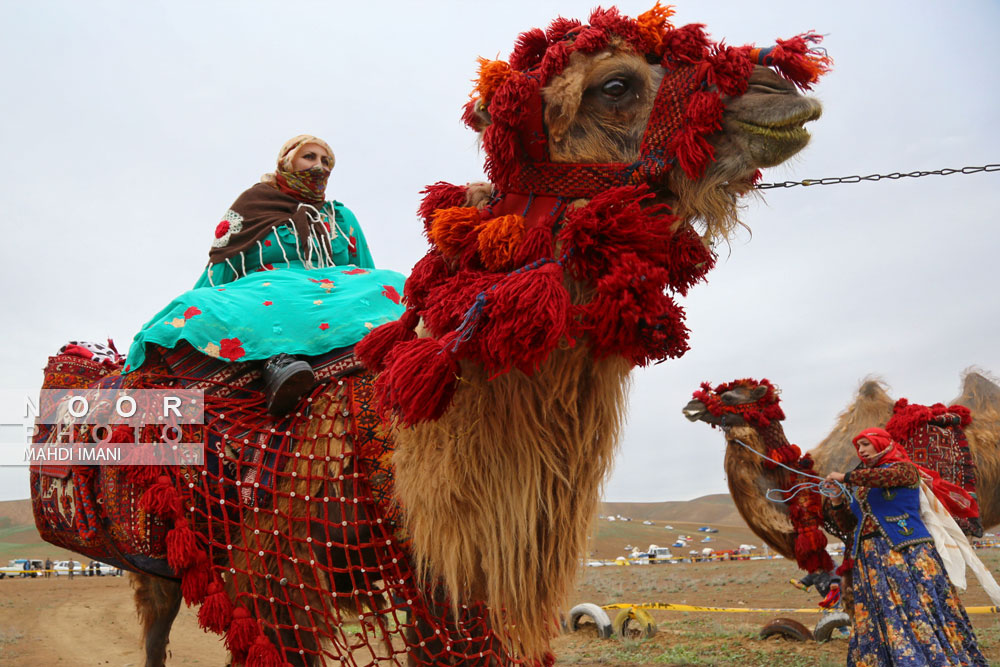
x: 375, y: 349
x: 526, y: 317
x: 846, y: 566
x: 537, y: 244
x: 161, y: 498
x: 263, y: 654
x: 798, y: 62
x: 439, y: 195
x: 216, y: 612
x: 528, y: 50
x: 241, y: 634
x: 196, y: 579
x: 182, y: 546
x: 429, y: 272
x: 420, y: 380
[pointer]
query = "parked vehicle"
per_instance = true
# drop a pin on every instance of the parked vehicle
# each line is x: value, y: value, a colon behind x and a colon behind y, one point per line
x: 98, y: 569
x: 61, y: 568
x: 22, y: 567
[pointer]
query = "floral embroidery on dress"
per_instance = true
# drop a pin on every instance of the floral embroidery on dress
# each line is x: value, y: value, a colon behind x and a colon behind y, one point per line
x: 268, y: 303
x: 231, y: 348
x: 211, y: 349
x: 354, y: 272
x: 191, y: 312
x: 177, y: 322
x: 326, y: 283
x: 324, y: 326
x: 232, y: 223
x: 390, y: 293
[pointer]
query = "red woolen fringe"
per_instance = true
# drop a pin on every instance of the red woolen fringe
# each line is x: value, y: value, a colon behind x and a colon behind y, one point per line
x: 527, y: 317
x: 439, y: 195
x: 241, y: 634
x: 688, y: 45
x: 529, y: 49
x: 845, y: 566
x: 375, y: 349
x: 420, y: 381
x: 538, y: 244
x: 263, y: 654
x: 196, y: 579
x: 426, y: 274
x: 798, y: 62
x: 216, y: 612
x: 161, y: 498
x: 449, y: 301
x: 182, y: 546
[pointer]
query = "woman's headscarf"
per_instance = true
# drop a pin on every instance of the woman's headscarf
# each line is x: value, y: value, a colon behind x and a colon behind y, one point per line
x: 307, y: 185
x: 955, y: 498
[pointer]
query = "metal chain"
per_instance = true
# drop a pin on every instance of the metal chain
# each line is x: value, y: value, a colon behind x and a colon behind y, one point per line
x: 895, y: 176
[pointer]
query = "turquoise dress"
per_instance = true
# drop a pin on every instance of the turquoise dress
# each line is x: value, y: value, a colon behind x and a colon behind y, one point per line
x: 270, y: 300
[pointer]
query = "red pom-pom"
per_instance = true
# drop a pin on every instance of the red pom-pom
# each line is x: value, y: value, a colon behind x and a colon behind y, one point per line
x: 529, y: 49
x: 537, y: 244
x: 182, y: 546
x: 846, y: 566
x: 449, y: 301
x: 439, y: 195
x: 196, y: 579
x: 426, y: 274
x: 526, y: 316
x: 263, y: 654
x: 687, y: 44
x: 560, y: 27
x: 216, y: 612
x: 420, y: 380
x: 375, y: 349
x: 241, y: 634
x: 161, y: 498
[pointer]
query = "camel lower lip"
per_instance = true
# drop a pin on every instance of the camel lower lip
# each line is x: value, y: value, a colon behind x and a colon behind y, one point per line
x: 783, y: 132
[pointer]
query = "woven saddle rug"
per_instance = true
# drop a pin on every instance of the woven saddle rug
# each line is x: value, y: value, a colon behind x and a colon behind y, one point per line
x: 934, y: 437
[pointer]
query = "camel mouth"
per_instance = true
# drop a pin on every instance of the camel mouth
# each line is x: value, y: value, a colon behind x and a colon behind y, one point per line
x: 695, y: 411
x: 787, y: 129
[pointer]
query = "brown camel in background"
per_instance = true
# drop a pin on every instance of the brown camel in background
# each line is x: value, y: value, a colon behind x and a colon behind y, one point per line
x: 749, y: 479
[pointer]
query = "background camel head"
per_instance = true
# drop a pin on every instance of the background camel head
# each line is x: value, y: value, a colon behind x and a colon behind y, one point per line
x: 582, y: 108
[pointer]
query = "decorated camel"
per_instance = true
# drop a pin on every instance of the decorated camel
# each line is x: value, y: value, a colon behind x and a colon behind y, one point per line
x: 431, y: 506
x: 960, y: 441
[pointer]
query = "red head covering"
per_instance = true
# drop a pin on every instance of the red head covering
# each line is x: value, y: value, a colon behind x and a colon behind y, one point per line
x: 956, y: 499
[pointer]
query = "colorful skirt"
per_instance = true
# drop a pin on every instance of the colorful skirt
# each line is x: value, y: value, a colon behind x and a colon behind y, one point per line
x: 291, y: 310
x: 906, y: 611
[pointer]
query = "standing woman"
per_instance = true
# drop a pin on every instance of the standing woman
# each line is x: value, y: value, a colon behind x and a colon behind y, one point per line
x: 906, y: 610
x: 289, y: 273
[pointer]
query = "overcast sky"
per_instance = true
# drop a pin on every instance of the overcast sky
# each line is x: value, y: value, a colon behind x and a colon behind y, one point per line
x: 128, y: 129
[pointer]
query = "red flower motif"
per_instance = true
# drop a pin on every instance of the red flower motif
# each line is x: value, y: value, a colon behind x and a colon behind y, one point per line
x: 221, y: 229
x: 231, y: 348
x: 266, y: 267
x: 128, y: 367
x: 191, y: 312
x: 352, y: 244
x: 324, y: 326
x: 353, y: 272
x: 221, y: 289
x: 268, y: 303
x: 267, y: 242
x: 390, y: 293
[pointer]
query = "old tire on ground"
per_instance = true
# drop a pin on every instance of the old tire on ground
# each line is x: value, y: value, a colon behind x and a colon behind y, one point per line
x: 594, y: 613
x: 634, y: 624
x: 830, y: 622
x: 786, y: 627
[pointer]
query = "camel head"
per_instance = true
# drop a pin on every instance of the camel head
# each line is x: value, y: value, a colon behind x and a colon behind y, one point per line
x: 579, y: 109
x: 750, y: 415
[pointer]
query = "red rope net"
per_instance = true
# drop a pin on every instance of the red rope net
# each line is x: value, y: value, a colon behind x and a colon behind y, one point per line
x: 288, y: 537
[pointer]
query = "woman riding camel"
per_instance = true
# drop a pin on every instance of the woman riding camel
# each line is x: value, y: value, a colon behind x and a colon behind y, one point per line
x: 906, y: 609
x: 289, y: 273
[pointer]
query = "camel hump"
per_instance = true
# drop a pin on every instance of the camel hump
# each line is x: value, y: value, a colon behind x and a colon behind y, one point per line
x: 873, y: 388
x: 980, y: 391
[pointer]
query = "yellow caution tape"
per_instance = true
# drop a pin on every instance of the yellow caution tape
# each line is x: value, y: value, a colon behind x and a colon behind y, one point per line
x: 666, y: 606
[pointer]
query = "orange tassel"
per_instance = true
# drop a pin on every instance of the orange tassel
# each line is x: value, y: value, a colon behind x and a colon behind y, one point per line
x: 652, y: 24
x: 499, y: 242
x: 492, y: 74
x: 452, y: 229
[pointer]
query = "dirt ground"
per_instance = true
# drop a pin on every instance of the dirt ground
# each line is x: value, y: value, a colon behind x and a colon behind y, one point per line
x: 91, y: 621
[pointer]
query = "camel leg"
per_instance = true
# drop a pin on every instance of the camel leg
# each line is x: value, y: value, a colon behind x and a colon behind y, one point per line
x: 157, y: 601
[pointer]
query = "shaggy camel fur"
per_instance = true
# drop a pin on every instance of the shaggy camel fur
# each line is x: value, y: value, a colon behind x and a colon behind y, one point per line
x: 749, y: 480
x: 499, y: 492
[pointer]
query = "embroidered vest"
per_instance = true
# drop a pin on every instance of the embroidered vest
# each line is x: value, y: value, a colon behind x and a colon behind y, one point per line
x: 897, y: 511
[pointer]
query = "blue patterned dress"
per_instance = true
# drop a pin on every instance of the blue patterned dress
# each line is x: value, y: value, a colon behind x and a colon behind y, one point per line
x: 906, y: 611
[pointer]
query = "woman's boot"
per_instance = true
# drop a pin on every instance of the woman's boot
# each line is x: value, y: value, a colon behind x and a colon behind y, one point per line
x: 286, y: 380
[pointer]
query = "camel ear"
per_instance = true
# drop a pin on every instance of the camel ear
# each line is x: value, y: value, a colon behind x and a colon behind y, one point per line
x: 562, y: 102
x: 758, y: 393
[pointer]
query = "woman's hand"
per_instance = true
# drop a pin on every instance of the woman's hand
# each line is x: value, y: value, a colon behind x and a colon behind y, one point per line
x: 835, y: 477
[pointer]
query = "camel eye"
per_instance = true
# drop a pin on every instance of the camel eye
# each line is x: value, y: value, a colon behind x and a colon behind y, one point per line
x: 615, y: 88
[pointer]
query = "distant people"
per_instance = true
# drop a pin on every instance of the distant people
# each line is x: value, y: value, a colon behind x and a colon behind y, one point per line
x: 906, y: 609
x: 70, y: 565
x: 48, y: 568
